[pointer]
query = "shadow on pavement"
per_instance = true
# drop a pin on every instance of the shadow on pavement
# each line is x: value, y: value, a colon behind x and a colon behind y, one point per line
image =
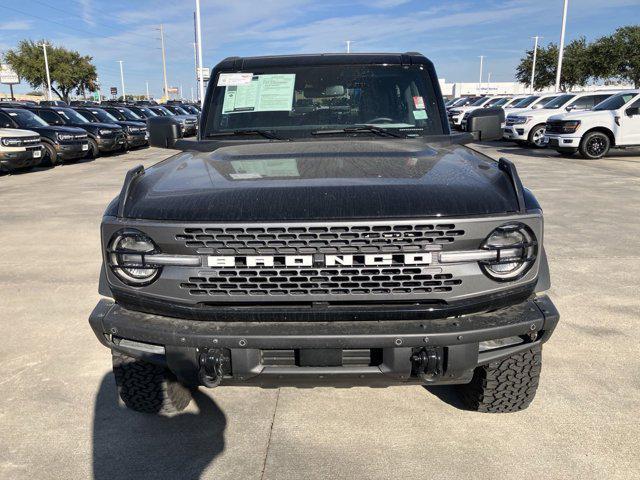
x: 447, y: 394
x: 128, y: 444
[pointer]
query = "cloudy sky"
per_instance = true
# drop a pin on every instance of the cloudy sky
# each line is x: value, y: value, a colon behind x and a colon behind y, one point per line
x: 453, y: 33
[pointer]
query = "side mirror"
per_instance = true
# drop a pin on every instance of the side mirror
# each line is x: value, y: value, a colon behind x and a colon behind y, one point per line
x: 570, y: 107
x: 163, y: 131
x: 632, y: 111
x: 486, y: 123
x: 6, y: 125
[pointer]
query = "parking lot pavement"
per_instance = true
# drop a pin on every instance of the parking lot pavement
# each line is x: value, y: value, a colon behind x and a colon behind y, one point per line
x: 58, y: 412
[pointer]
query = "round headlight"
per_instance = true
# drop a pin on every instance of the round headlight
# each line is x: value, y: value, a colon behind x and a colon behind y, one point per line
x: 516, y: 249
x: 127, y: 258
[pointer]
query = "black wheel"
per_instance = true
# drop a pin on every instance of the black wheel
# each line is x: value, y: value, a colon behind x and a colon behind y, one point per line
x: 49, y: 155
x: 508, y: 385
x: 94, y: 151
x: 594, y: 145
x: 536, y: 136
x: 148, y: 388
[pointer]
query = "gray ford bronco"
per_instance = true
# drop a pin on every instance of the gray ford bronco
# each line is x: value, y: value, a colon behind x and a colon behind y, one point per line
x: 325, y: 229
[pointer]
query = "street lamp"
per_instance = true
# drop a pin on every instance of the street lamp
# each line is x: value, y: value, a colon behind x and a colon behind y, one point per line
x: 561, y: 47
x: 533, y: 66
x: 124, y: 95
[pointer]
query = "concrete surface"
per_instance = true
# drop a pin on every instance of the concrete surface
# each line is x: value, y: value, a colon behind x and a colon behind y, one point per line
x: 58, y: 412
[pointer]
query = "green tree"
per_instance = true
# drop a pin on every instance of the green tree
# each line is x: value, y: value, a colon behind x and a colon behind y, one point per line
x: 576, y: 66
x: 69, y: 70
x: 618, y: 55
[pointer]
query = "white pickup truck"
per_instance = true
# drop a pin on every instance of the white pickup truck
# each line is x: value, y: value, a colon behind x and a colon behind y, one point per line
x: 612, y: 123
x: 527, y: 127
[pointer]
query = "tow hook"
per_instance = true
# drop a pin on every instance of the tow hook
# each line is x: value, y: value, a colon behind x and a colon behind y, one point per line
x: 214, y: 364
x: 427, y: 363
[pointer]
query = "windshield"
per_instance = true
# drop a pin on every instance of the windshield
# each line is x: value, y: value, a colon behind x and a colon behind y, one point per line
x: 26, y: 119
x: 71, y: 115
x: 558, y: 101
x: 497, y: 102
x: 178, y: 110
x: 147, y: 111
x: 543, y: 102
x: 103, y: 115
x: 615, y: 102
x: 303, y: 100
x: 525, y: 102
x: 479, y: 102
x: 128, y: 114
x: 162, y: 111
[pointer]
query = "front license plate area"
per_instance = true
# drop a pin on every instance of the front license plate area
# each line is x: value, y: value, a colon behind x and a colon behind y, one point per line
x: 85, y: 147
x: 37, y: 154
x: 319, y: 357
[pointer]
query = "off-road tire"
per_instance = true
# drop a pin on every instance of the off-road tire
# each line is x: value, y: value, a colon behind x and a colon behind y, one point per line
x: 595, y: 145
x: 49, y: 156
x: 94, y: 151
x: 535, y: 135
x: 504, y: 386
x: 148, y: 388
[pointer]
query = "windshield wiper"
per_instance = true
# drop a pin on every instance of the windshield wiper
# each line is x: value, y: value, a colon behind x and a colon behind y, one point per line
x: 383, y: 132
x: 264, y: 133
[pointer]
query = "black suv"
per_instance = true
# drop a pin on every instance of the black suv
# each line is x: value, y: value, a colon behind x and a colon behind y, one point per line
x: 355, y: 241
x: 103, y: 137
x: 60, y: 143
x: 188, y: 123
x: 135, y: 130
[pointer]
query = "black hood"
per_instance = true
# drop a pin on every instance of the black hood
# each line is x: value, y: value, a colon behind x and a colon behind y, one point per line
x: 322, y: 180
x: 131, y: 123
x: 51, y: 130
x: 94, y: 126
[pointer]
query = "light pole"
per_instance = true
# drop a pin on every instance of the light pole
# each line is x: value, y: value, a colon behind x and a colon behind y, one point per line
x: 481, y: 61
x: 148, y: 98
x: 199, y: 40
x: 195, y: 58
x: 348, y: 42
x: 533, y: 66
x: 124, y: 95
x: 164, y: 62
x: 46, y: 66
x: 561, y: 47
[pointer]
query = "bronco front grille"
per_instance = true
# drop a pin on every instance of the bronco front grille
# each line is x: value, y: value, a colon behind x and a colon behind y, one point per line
x: 320, y: 281
x: 346, y: 239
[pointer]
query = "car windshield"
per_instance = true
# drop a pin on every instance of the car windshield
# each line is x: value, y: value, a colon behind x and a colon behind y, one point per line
x: 148, y: 112
x: 615, y: 102
x: 162, y: 111
x: 479, y: 102
x: 497, y: 102
x: 305, y: 100
x: 128, y: 114
x: 558, y: 101
x: 103, y: 115
x: 526, y: 101
x: 179, y: 110
x: 543, y: 102
x: 71, y: 115
x: 26, y: 119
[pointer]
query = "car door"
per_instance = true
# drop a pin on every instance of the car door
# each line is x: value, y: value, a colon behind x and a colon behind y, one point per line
x: 630, y: 123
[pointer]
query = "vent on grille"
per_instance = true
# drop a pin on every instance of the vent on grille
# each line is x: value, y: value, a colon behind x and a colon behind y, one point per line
x: 350, y: 357
x: 318, y: 239
x: 553, y: 127
x: 323, y: 281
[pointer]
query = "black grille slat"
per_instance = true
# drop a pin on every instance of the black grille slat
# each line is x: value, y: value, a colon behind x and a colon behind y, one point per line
x: 262, y: 281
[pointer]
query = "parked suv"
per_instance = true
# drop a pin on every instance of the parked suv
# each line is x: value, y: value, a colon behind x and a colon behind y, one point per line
x: 135, y: 131
x: 103, y: 137
x: 189, y: 123
x: 527, y: 126
x: 532, y: 102
x: 59, y: 143
x: 613, y: 123
x: 19, y: 149
x: 357, y: 243
x: 456, y: 114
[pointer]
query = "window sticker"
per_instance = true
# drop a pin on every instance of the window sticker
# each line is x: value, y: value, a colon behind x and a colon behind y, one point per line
x: 420, y: 114
x: 233, y: 79
x: 250, y: 169
x: 264, y: 93
x: 418, y: 102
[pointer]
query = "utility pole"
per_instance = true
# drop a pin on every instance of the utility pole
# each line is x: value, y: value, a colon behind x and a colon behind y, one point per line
x: 181, y: 97
x: 348, y: 42
x: 533, y: 66
x: 192, y: 99
x: 148, y: 98
x: 199, y: 41
x: 164, y: 62
x: 46, y: 66
x: 124, y: 95
x: 561, y: 46
x: 481, y: 60
x: 195, y: 55
x: 489, y: 77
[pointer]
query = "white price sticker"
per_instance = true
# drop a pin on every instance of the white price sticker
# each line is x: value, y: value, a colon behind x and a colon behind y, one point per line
x: 234, y: 79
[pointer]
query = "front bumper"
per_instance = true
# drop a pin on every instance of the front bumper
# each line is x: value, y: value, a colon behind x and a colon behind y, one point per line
x: 251, y: 346
x: 137, y: 140
x: 561, y: 141
x: 109, y: 144
x: 515, y: 132
x: 70, y: 151
x: 13, y: 160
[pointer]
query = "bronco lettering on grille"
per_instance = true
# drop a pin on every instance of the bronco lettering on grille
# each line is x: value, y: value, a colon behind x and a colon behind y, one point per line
x: 423, y: 258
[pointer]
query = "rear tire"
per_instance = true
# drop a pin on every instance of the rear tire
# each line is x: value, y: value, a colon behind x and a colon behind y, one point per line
x: 148, y: 388
x: 594, y: 145
x: 94, y: 151
x: 504, y: 386
x: 536, y: 135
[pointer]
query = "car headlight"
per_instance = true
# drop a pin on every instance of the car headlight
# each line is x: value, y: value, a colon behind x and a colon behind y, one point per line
x: 65, y: 137
x: 11, y: 142
x: 126, y: 257
x: 516, y: 249
x: 105, y: 132
x: 570, y: 126
x: 519, y: 120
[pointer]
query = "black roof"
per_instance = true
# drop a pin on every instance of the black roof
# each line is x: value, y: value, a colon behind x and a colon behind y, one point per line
x: 239, y: 63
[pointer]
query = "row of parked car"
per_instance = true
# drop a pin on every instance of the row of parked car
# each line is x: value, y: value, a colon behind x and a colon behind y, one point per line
x: 590, y: 123
x: 50, y: 133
